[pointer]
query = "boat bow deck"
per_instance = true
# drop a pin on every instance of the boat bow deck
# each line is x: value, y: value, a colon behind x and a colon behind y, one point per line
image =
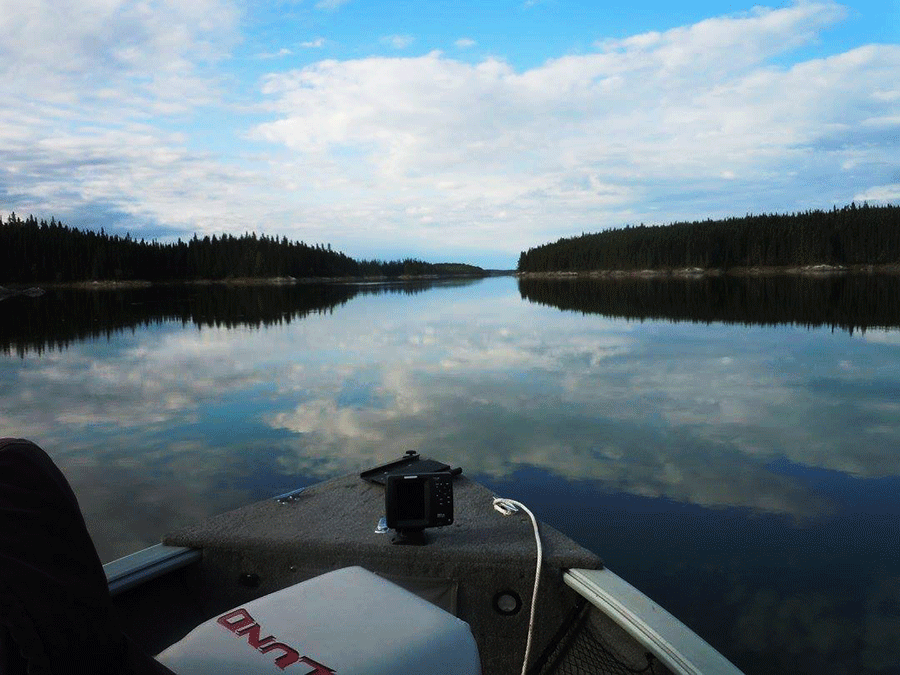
x: 269, y: 545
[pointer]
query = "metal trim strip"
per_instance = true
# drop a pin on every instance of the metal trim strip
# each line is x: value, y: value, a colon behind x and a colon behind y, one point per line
x: 677, y: 646
x: 149, y: 563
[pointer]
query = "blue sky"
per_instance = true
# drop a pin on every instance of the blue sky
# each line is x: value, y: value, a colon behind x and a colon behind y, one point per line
x: 442, y: 130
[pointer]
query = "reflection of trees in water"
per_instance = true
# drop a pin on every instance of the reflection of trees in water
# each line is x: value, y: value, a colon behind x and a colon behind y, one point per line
x: 63, y: 316
x: 850, y: 302
x: 840, y: 629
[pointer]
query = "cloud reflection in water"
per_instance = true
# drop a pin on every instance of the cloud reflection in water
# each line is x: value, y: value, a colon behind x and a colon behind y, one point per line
x: 691, y: 413
x: 694, y: 455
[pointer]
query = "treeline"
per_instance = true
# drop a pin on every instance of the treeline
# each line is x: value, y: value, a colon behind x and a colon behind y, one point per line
x: 852, y: 235
x: 66, y: 316
x: 33, y: 251
x: 847, y: 301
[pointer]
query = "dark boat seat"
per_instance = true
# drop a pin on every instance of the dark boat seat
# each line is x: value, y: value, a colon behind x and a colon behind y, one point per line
x: 56, y: 615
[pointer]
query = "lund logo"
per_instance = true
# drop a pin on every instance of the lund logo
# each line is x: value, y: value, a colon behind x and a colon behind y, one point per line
x: 241, y: 623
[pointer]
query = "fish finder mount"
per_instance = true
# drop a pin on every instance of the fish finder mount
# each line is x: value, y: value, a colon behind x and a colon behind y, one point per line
x: 414, y: 502
x: 418, y: 494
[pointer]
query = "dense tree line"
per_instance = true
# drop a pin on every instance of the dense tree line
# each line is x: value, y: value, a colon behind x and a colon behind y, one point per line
x: 852, y: 235
x: 63, y: 316
x: 34, y: 251
x: 846, y: 301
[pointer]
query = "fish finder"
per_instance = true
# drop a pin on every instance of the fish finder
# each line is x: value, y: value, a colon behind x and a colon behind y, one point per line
x: 415, y: 501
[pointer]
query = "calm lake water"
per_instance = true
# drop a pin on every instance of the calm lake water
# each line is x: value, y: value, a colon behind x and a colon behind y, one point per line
x: 732, y: 448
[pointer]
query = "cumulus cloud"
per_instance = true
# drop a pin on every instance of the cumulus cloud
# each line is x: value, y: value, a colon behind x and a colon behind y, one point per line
x: 495, y: 386
x: 66, y: 51
x: 398, y: 41
x: 145, y: 174
x: 749, y: 39
x: 147, y: 385
x: 97, y: 85
x: 132, y: 416
x: 880, y: 193
x: 284, y: 51
x: 448, y: 157
x: 690, y: 122
x: 465, y: 43
x: 700, y: 429
x: 330, y: 5
x: 887, y: 337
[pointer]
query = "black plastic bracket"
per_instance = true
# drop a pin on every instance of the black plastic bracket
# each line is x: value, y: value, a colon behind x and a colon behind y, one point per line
x: 415, y: 537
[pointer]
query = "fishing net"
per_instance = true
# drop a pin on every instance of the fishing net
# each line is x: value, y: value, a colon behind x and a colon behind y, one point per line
x: 587, y: 644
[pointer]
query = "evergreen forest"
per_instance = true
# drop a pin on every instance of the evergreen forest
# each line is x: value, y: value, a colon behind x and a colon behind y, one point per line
x: 33, y: 251
x: 852, y: 235
x: 62, y: 316
x: 839, y: 301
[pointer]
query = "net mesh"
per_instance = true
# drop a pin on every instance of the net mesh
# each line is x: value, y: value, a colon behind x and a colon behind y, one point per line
x: 580, y: 648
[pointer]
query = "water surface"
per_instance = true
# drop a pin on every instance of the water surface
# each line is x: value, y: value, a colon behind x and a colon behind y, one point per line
x: 730, y: 450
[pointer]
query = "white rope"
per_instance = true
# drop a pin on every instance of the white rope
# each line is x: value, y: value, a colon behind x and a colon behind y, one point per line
x: 509, y: 507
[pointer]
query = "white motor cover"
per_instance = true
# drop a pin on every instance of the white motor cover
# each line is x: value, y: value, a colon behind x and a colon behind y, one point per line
x: 349, y: 621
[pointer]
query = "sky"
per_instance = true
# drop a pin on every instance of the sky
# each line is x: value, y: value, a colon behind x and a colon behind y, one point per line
x: 463, y: 131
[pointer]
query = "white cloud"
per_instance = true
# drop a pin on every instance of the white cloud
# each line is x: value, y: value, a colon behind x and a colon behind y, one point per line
x: 633, y: 406
x: 92, y: 80
x: 748, y: 39
x: 880, y: 193
x: 398, y: 41
x: 697, y: 121
x: 157, y: 382
x: 63, y: 51
x: 330, y: 5
x: 465, y: 43
x: 284, y: 51
x: 881, y: 336
x: 452, y: 399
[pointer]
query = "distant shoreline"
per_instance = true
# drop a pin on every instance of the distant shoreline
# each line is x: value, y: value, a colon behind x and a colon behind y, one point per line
x: 696, y: 272
x: 12, y: 288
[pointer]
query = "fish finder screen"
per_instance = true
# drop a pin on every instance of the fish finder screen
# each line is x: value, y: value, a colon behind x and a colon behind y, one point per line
x: 410, y: 500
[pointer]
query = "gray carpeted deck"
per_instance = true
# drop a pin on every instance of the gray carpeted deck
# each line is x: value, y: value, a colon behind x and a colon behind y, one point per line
x: 267, y: 546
